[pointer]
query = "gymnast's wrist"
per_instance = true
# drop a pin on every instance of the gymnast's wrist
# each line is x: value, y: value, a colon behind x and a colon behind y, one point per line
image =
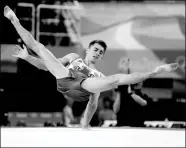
x: 85, y: 125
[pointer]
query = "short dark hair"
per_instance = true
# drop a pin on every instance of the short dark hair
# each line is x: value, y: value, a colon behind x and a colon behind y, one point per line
x: 100, y: 42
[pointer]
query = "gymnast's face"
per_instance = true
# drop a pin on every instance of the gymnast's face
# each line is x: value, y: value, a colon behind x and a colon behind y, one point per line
x: 95, y: 52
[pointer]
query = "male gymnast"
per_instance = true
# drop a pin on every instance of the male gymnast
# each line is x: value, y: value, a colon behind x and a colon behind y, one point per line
x: 76, y: 77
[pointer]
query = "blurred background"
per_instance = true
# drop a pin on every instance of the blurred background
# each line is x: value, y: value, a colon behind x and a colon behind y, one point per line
x: 148, y: 33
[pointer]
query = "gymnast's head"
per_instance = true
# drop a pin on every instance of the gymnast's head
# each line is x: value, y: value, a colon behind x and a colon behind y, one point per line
x: 96, y: 50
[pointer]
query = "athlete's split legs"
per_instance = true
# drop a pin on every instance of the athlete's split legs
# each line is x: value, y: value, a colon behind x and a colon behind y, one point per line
x: 94, y: 85
x: 50, y: 61
x: 53, y: 65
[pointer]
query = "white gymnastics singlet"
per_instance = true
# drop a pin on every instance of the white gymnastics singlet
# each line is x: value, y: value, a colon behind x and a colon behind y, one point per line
x: 79, y: 65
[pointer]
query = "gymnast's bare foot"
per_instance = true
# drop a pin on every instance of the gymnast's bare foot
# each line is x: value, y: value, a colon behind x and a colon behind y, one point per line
x: 9, y: 13
x: 166, y: 68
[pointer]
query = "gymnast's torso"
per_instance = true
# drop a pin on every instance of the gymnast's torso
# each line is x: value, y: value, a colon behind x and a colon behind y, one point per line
x: 71, y: 86
x: 79, y: 65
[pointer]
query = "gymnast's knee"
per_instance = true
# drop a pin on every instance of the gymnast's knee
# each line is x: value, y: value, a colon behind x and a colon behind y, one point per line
x: 114, y: 80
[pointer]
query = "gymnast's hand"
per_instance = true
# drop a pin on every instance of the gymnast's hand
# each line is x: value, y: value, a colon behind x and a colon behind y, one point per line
x: 20, y: 52
x: 86, y: 128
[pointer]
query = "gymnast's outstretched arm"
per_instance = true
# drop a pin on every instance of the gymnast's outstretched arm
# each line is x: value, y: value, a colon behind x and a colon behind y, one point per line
x: 38, y: 62
x: 90, y: 109
x: 22, y: 53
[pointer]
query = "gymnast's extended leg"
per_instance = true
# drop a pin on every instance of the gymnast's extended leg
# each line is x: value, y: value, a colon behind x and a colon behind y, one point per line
x: 97, y: 85
x: 53, y: 65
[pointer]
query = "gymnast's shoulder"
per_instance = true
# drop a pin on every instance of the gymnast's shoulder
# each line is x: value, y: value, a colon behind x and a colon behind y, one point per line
x: 72, y: 56
x: 101, y: 75
x: 68, y: 58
